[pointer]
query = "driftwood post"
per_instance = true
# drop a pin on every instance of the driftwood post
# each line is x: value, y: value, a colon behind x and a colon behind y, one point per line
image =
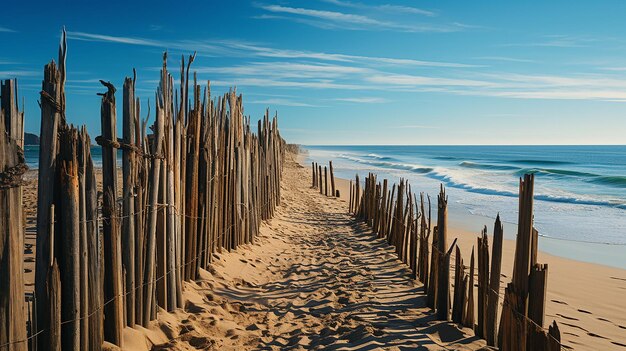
x: 332, y: 178
x: 150, y: 252
x: 128, y: 193
x: 459, y: 289
x: 494, y: 283
x: 113, y: 284
x: 94, y: 244
x: 69, y: 240
x: 52, y: 115
x: 468, y: 321
x: 319, y: 172
x: 12, y: 167
x: 483, y: 282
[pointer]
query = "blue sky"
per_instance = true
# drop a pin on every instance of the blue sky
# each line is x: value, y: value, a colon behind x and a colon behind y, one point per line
x: 350, y: 72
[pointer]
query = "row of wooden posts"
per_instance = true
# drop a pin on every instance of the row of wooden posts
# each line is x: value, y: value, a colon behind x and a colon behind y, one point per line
x: 201, y: 182
x: 321, y: 182
x: 404, y: 221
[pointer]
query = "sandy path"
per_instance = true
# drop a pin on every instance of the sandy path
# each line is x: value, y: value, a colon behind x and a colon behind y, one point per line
x: 313, y: 280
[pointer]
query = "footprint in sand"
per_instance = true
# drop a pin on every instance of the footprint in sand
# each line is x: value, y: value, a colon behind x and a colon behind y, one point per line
x: 566, y: 317
x: 596, y: 336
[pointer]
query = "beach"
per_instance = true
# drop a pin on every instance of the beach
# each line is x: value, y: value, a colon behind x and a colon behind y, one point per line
x: 316, y: 279
x: 586, y: 299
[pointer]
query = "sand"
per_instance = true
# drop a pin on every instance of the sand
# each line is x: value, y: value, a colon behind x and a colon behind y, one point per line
x: 316, y: 279
x: 587, y: 300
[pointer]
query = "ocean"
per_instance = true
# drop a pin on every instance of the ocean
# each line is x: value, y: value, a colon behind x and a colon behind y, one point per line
x: 31, y: 156
x: 580, y: 191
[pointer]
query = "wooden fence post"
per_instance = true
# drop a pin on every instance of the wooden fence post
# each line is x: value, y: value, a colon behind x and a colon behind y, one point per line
x: 12, y: 167
x: 319, y: 172
x: 468, y: 321
x: 113, y: 284
x: 332, y: 178
x: 483, y: 282
x: 494, y: 283
x: 68, y: 214
x: 128, y: 201
x: 150, y: 251
x: 52, y: 115
x: 459, y: 300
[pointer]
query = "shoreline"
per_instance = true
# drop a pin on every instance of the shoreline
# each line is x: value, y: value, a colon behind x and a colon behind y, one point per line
x: 460, y: 218
x: 584, y: 298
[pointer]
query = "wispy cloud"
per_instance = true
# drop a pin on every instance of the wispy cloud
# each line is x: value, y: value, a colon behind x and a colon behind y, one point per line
x: 114, y: 39
x: 414, y: 126
x: 505, y: 59
x: 363, y: 100
x: 264, y: 51
x: 412, y: 80
x: 260, y: 82
x: 295, y: 69
x: 189, y: 45
x: 559, y: 41
x: 384, y: 7
x: 17, y: 73
x: 6, y: 30
x: 281, y: 102
x: 335, y: 19
x: 235, y: 48
x: 284, y: 70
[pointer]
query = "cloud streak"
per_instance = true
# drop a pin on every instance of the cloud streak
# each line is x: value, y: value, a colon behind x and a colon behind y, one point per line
x: 384, y: 7
x: 363, y: 100
x: 6, y: 30
x: 281, y: 102
x: 296, y: 69
x: 336, y: 19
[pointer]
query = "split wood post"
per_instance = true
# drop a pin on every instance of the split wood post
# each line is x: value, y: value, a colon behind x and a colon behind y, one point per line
x: 554, y: 337
x: 483, y: 282
x: 319, y: 172
x: 95, y: 250
x: 458, y: 302
x: 357, y: 196
x: 191, y: 194
x: 442, y: 219
x: 443, y: 298
x: 128, y: 201
x: 171, y: 231
x: 52, y: 115
x: 151, y: 222
x: 424, y: 249
x: 350, y: 201
x: 140, y: 211
x: 325, y: 181
x: 113, y: 284
x: 69, y: 239
x: 468, y: 321
x: 514, y: 325
x: 494, y: 283
x: 82, y: 155
x: 332, y: 177
x: 12, y: 167
x: 53, y: 283
x: 314, y: 181
x: 433, y: 285
x: 537, y: 293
